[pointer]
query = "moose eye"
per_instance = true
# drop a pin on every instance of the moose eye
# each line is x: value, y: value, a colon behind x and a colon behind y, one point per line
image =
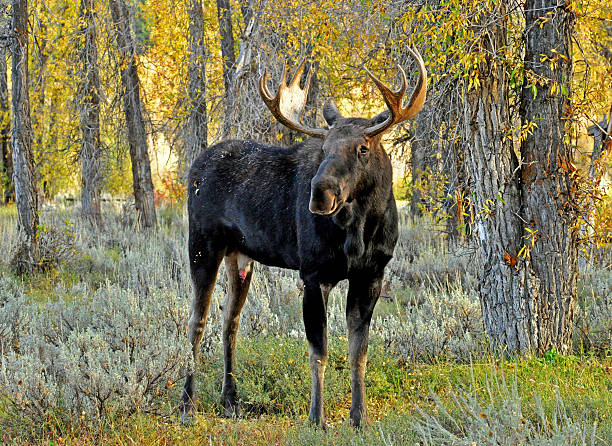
x: 363, y: 150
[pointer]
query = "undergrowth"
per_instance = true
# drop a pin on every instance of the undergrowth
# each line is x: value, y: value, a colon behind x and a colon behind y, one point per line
x: 93, y: 350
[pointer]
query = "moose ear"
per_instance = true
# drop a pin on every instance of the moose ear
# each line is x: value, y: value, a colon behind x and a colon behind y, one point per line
x: 381, y: 117
x: 331, y: 113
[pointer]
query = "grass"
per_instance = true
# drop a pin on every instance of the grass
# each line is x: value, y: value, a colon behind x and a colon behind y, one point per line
x: 555, y: 400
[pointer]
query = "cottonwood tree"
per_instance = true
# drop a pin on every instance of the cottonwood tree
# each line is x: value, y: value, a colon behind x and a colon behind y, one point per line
x: 24, y: 174
x: 549, y: 186
x: 492, y: 167
x: 91, y: 150
x: 236, y: 69
x: 526, y: 211
x: 133, y: 109
x: 196, y: 134
x: 226, y: 34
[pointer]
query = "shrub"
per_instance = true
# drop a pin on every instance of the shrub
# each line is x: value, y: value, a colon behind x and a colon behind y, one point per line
x: 593, y: 318
x: 114, y: 351
x: 56, y: 245
x: 431, y: 323
x: 499, y: 421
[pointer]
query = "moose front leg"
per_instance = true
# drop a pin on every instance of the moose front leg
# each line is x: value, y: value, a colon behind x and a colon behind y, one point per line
x: 362, y: 297
x: 315, y: 323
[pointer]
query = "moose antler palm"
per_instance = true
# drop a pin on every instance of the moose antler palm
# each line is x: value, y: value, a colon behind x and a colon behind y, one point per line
x: 289, y: 102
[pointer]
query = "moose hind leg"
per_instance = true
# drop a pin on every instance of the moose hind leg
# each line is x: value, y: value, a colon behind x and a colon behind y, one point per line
x: 203, y: 275
x: 239, y: 269
x: 315, y: 323
x: 361, y: 299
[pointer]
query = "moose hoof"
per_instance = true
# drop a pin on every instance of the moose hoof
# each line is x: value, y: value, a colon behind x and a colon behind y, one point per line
x: 186, y: 418
x: 230, y: 404
x: 320, y: 423
x: 358, y: 419
x: 318, y: 420
x: 186, y: 412
x: 186, y: 406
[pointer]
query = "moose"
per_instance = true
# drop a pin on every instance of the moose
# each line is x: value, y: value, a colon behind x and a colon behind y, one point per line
x: 324, y: 207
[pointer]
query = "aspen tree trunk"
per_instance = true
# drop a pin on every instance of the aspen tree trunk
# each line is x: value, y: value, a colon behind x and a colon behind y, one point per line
x: 491, y: 164
x: 548, y: 187
x: 5, y: 132
x: 24, y: 175
x: 132, y: 105
x: 196, y: 136
x: 91, y: 169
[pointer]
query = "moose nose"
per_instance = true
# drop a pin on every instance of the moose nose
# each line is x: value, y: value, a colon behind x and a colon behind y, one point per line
x: 324, y: 196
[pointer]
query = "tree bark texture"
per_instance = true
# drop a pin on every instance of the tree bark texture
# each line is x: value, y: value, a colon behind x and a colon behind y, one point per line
x: 226, y: 33
x: 224, y: 13
x: 197, y: 127
x: 132, y: 105
x: 5, y: 132
x: 236, y: 72
x: 24, y: 175
x: 40, y: 116
x: 548, y: 186
x: 91, y: 168
x: 492, y: 167
x: 525, y: 214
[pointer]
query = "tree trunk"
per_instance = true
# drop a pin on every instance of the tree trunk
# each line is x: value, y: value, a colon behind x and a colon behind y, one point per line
x: 24, y: 174
x: 226, y: 33
x: 525, y: 220
x: 5, y: 132
x: 548, y: 186
x: 132, y: 105
x: 453, y: 160
x: 491, y: 164
x: 196, y: 135
x: 224, y: 13
x: 236, y: 73
x: 90, y: 118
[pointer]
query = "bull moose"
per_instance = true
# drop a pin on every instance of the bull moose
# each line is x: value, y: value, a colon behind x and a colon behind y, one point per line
x: 324, y: 207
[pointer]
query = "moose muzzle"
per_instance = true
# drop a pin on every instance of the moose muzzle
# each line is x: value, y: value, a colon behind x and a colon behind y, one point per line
x: 324, y: 196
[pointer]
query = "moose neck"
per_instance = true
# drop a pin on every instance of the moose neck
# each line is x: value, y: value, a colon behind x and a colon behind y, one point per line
x: 367, y: 207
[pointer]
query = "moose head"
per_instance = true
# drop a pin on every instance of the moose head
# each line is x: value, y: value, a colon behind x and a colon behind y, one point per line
x: 350, y: 145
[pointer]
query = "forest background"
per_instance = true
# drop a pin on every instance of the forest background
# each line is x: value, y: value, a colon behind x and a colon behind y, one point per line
x: 109, y: 102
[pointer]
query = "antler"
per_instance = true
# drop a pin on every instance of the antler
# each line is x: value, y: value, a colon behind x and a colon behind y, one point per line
x: 288, y: 104
x: 394, y: 99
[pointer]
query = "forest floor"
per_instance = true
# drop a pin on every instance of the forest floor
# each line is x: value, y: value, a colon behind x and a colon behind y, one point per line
x: 451, y: 391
